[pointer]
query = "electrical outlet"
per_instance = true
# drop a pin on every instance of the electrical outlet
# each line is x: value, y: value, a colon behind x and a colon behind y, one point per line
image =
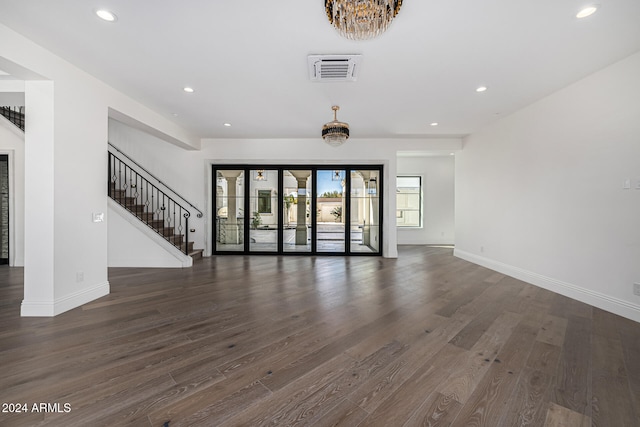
x: 636, y: 289
x: 79, y: 276
x: 481, y: 248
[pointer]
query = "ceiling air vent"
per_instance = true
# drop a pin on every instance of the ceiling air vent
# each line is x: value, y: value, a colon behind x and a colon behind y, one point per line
x: 334, y: 68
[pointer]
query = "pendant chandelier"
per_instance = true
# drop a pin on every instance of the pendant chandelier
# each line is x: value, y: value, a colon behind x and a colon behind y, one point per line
x: 335, y: 133
x: 361, y: 19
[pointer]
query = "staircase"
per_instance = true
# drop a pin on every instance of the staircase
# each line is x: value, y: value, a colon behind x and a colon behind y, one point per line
x: 151, y: 205
x: 14, y: 114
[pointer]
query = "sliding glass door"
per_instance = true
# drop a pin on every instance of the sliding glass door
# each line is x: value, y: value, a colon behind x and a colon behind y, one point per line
x: 330, y: 201
x: 296, y: 205
x: 333, y: 210
x: 365, y: 211
x: 264, y: 208
x: 229, y: 210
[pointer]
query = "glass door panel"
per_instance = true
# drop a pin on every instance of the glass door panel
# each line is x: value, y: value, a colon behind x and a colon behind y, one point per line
x: 229, y: 215
x: 263, y: 204
x: 365, y: 211
x: 296, y: 208
x: 330, y: 206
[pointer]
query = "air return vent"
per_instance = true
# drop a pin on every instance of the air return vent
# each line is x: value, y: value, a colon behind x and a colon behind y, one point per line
x: 334, y: 68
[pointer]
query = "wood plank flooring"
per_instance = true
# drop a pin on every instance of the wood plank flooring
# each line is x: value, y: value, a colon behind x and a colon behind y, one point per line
x: 423, y: 340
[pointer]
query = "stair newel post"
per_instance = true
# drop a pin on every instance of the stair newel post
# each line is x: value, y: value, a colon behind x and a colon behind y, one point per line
x: 186, y: 233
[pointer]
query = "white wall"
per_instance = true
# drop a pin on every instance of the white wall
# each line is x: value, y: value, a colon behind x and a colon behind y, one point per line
x: 539, y: 194
x: 12, y: 144
x: 133, y: 244
x: 438, y: 204
x: 65, y: 174
x: 189, y: 172
x: 312, y: 151
x: 178, y: 168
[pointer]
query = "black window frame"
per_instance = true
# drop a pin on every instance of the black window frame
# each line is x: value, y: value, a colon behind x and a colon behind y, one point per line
x: 281, y: 168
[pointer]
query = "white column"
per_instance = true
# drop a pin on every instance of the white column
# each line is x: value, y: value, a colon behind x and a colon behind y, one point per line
x: 232, y: 229
x: 39, y: 297
x: 301, y: 226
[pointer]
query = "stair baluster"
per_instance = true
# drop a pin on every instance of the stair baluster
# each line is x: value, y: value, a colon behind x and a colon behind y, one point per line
x: 149, y: 203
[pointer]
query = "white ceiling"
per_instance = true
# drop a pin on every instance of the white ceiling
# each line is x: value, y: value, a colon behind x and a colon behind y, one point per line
x: 247, y: 60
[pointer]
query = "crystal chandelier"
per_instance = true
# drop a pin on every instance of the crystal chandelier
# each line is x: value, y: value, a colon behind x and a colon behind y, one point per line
x: 335, y: 133
x: 361, y: 19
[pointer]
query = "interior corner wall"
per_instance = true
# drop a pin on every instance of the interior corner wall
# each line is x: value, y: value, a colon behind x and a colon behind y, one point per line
x: 189, y: 172
x: 66, y: 175
x: 39, y: 271
x: 314, y: 151
x: 306, y: 151
x: 540, y: 194
x: 438, y: 202
x: 131, y: 244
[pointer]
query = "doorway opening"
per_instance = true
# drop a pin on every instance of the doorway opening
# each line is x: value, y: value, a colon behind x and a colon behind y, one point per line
x: 4, y: 209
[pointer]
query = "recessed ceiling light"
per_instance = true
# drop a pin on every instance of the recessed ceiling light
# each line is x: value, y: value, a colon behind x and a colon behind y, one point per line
x: 434, y: 124
x: 106, y: 15
x: 188, y: 89
x: 227, y: 124
x: 587, y: 11
x: 452, y: 154
x: 481, y: 89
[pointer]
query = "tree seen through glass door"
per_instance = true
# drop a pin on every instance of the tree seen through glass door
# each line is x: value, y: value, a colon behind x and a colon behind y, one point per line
x: 330, y: 206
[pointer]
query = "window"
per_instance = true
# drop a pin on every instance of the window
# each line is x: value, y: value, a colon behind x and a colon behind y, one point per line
x: 409, y: 201
x: 264, y: 201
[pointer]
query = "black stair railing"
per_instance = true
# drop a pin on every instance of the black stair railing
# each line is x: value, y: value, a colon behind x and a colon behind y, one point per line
x: 14, y: 114
x: 149, y: 203
x: 199, y: 213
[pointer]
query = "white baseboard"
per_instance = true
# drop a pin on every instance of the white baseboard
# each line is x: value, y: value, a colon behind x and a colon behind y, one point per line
x: 60, y: 305
x: 605, y: 302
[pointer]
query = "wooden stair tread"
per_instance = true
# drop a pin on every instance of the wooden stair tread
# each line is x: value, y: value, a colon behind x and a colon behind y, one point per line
x: 196, y: 254
x: 159, y: 225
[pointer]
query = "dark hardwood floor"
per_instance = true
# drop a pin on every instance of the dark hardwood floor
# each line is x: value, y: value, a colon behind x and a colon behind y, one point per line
x: 425, y: 339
